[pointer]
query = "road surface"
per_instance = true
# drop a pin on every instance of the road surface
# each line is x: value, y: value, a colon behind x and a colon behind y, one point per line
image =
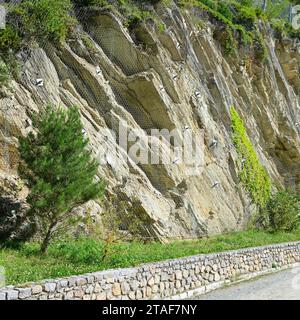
x: 283, y: 285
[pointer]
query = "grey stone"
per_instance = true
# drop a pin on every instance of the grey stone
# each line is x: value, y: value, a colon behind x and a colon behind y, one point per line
x: 125, y: 288
x: 24, y: 293
x: 50, y: 286
x: 69, y: 295
x: 2, y: 295
x: 78, y: 293
x: 12, y: 295
x: 63, y: 283
x: 72, y: 282
x: 97, y: 288
x: 134, y: 284
x: 90, y: 279
x: 164, y: 276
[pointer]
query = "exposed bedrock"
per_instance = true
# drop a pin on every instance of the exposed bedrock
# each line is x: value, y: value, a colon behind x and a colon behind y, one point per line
x: 171, y: 79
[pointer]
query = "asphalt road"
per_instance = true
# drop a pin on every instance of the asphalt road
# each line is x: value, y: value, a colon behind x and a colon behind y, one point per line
x: 283, y: 285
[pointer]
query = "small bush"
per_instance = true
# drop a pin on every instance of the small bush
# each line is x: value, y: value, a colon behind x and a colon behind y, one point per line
x: 88, y: 42
x: 226, y: 40
x: 260, y: 49
x: 276, y: 8
x: 279, y: 28
x: 33, y: 19
x: 282, y: 212
x: 9, y: 39
x: 292, y: 32
x: 133, y: 12
x: 246, y: 16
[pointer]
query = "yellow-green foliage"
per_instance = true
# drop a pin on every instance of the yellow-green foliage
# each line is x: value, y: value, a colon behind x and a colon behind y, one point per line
x: 252, y: 174
x: 9, y: 39
x: 133, y: 12
x: 89, y: 44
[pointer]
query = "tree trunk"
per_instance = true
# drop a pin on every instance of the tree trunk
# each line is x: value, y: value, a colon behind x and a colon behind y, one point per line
x: 109, y: 240
x: 46, y: 241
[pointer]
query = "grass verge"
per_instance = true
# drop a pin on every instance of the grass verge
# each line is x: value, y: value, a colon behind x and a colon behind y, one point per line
x: 66, y: 258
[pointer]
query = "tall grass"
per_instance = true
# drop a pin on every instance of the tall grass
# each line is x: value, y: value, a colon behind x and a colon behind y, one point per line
x: 84, y: 255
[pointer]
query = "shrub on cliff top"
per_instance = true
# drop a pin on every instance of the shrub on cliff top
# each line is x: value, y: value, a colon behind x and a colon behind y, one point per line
x: 246, y: 16
x: 39, y: 19
x: 43, y: 19
x: 9, y: 39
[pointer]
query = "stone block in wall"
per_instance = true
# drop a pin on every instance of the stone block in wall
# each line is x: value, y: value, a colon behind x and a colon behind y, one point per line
x: 12, y: 295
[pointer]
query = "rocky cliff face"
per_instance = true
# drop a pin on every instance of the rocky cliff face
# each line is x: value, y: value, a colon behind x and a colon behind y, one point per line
x: 172, y: 79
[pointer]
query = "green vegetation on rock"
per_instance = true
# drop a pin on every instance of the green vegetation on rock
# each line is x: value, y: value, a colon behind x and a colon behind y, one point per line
x: 252, y: 174
x: 42, y: 19
x: 282, y: 212
x: 33, y: 20
x: 9, y: 40
x: 238, y: 25
x: 49, y: 20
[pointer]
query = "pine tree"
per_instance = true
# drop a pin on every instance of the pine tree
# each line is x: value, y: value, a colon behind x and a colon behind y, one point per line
x: 59, y: 170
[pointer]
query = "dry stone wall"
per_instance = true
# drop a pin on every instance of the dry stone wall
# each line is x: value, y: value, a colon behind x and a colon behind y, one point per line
x: 178, y: 278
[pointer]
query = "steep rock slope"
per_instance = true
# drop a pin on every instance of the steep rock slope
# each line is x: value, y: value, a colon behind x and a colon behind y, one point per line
x: 172, y: 79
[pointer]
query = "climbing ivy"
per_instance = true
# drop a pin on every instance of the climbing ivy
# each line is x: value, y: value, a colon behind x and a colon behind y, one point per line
x: 252, y: 174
